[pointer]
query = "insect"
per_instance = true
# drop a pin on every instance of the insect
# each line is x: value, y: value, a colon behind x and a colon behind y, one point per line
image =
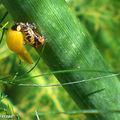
x: 20, y: 34
x: 30, y: 34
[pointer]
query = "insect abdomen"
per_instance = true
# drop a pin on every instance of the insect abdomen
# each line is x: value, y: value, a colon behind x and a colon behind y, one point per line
x: 28, y: 36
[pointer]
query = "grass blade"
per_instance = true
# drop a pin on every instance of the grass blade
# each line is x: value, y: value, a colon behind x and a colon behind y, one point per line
x: 68, y: 45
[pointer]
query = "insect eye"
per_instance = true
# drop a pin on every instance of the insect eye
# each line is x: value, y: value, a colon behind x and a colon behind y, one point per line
x: 14, y: 27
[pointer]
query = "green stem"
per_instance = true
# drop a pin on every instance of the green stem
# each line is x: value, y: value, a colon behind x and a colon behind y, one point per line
x: 68, y: 46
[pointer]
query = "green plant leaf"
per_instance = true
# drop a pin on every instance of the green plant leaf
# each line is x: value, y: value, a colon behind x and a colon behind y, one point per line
x: 68, y: 46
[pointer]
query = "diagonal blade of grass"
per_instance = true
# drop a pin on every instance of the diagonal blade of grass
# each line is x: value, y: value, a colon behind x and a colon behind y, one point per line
x: 68, y: 46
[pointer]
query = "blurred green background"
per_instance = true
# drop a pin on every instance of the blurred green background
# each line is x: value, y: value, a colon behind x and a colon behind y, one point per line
x: 102, y: 20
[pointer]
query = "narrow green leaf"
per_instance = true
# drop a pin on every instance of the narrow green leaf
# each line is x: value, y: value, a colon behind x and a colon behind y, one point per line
x: 68, y: 45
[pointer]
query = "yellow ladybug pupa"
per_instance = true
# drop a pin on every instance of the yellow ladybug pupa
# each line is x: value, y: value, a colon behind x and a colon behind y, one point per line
x: 15, y: 42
